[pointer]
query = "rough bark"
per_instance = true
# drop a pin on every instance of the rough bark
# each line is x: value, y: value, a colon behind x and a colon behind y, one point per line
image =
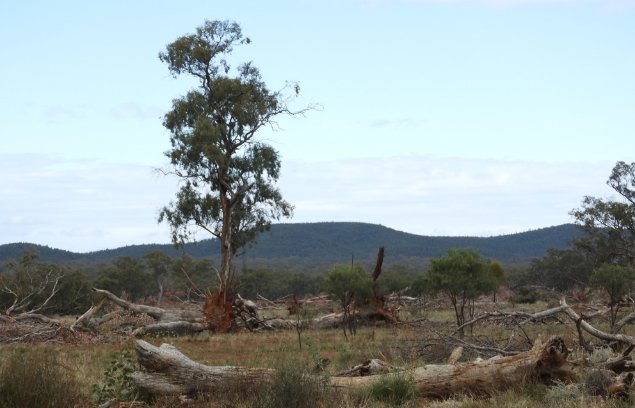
x: 168, y: 371
x: 157, y: 313
x: 167, y: 321
x: 543, y: 363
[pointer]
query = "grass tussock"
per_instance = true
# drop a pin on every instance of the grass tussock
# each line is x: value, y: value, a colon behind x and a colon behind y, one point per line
x: 33, y: 378
x: 394, y: 390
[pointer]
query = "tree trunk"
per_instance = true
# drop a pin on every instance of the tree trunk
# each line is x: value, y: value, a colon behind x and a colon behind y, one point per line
x: 226, y: 248
x: 546, y: 363
x: 157, y: 313
x: 168, y: 371
x: 171, y: 372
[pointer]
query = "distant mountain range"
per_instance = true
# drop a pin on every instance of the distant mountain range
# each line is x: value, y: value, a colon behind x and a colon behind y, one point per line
x: 333, y: 242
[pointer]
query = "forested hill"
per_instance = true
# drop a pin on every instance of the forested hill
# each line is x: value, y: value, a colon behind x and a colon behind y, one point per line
x: 335, y: 242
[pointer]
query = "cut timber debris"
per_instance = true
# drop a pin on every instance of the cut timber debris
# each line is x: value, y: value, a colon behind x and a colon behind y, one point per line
x: 168, y: 371
x: 167, y: 321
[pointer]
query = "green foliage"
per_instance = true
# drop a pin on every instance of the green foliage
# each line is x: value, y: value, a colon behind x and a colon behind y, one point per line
x: 126, y: 275
x: 463, y: 275
x: 344, y: 355
x: 616, y: 281
x: 32, y: 285
x: 294, y: 387
x: 200, y: 272
x: 159, y: 266
x: 496, y: 276
x: 117, y: 383
x: 319, y: 361
x: 314, y: 247
x: 348, y: 284
x: 37, y: 379
x: 394, y: 390
x: 610, y: 224
x: 274, y: 284
x: 561, y: 269
x: 397, y: 279
x: 525, y: 294
x: 228, y: 176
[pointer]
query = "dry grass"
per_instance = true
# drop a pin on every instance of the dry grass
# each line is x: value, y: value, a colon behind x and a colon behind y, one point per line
x: 399, y: 346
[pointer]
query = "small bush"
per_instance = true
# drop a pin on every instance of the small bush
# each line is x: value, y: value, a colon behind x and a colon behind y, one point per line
x: 37, y: 379
x: 596, y: 382
x: 525, y: 295
x: 396, y: 390
x: 344, y: 355
x: 294, y: 387
x: 118, y: 383
x: 561, y: 393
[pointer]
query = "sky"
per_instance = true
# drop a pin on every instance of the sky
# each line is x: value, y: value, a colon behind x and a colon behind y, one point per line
x: 436, y: 117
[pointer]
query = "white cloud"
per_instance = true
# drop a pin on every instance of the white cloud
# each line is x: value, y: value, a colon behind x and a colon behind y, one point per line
x: 442, y: 196
x: 87, y: 205
x: 80, y: 205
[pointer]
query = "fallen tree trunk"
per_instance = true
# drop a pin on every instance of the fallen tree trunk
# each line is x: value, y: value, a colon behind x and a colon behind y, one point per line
x: 157, y: 313
x: 543, y: 362
x: 168, y: 371
x: 182, y: 321
x: 171, y: 372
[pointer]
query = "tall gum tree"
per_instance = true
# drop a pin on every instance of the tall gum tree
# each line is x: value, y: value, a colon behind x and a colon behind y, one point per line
x: 610, y: 224
x: 227, y: 175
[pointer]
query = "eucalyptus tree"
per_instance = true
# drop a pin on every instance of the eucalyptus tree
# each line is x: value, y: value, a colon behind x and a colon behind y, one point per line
x: 463, y: 275
x: 610, y: 224
x: 617, y: 281
x: 349, y: 285
x: 227, y: 173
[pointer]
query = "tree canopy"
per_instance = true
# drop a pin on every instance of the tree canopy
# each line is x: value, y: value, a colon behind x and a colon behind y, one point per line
x: 349, y: 284
x: 228, y: 175
x: 610, y: 224
x: 617, y: 281
x: 463, y: 275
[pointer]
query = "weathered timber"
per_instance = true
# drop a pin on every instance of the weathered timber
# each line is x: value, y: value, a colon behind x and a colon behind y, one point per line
x: 543, y: 362
x: 157, y: 313
x: 168, y: 371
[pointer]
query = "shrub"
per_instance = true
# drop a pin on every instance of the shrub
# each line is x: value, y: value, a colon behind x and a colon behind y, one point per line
x: 294, y: 387
x: 525, y: 295
x: 118, y: 383
x: 397, y: 390
x: 37, y: 379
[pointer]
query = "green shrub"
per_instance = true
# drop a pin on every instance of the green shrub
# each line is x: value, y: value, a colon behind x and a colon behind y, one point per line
x: 37, y: 379
x: 118, y: 383
x: 525, y: 295
x: 395, y: 389
x: 294, y: 387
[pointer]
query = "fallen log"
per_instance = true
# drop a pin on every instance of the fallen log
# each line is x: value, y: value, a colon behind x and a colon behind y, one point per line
x: 169, y: 328
x: 543, y: 363
x: 157, y: 313
x: 168, y: 371
x: 168, y: 322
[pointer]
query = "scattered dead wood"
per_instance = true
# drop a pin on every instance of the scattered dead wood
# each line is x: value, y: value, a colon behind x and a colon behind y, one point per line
x: 369, y: 367
x: 168, y: 371
x: 176, y: 321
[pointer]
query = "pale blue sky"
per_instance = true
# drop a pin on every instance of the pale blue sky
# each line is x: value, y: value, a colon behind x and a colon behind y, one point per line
x: 452, y: 117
